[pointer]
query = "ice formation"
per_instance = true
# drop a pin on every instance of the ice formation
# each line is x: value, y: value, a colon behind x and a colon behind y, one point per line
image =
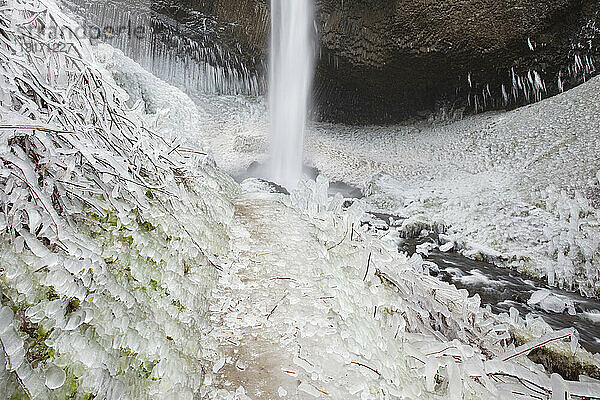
x: 551, y: 302
x: 110, y: 232
x: 192, y: 59
x: 133, y: 268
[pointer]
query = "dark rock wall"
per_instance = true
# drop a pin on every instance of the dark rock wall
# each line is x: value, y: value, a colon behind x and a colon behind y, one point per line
x: 385, y: 60
x: 235, y: 32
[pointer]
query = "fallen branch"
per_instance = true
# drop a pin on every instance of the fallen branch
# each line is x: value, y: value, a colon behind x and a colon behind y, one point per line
x: 340, y: 242
x: 368, y: 265
x: 36, y: 128
x: 276, y: 305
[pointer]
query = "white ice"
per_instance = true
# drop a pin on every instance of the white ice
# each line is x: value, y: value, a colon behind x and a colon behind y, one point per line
x: 245, y: 294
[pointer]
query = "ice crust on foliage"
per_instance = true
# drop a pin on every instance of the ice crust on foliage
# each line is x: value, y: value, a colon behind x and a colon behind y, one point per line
x: 110, y: 232
x: 135, y: 269
x: 330, y: 309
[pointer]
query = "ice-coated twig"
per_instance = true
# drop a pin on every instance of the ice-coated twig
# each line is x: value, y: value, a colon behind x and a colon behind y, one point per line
x: 276, y: 305
x: 368, y: 265
x: 544, y: 340
x: 366, y: 366
x: 36, y: 128
x: 341, y: 241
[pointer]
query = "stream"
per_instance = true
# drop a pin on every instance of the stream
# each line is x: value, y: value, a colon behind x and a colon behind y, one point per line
x: 502, y: 289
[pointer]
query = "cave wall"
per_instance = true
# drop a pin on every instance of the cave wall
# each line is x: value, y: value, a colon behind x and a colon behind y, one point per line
x: 382, y: 61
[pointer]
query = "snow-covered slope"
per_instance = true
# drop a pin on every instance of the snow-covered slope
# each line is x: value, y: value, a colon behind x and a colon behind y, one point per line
x: 521, y: 187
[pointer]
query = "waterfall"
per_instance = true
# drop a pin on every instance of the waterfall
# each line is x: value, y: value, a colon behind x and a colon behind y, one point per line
x: 290, y: 80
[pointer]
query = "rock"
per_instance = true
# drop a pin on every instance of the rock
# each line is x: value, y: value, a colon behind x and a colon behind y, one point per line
x: 447, y: 247
x: 236, y: 32
x: 550, y: 302
x: 254, y: 185
x: 387, y: 60
x: 394, y: 58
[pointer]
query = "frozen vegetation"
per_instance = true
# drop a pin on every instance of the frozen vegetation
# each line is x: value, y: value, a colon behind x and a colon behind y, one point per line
x: 133, y: 268
x: 520, y: 188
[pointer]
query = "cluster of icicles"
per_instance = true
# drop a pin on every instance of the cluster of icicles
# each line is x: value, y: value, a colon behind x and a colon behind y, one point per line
x: 196, y: 64
x: 109, y: 234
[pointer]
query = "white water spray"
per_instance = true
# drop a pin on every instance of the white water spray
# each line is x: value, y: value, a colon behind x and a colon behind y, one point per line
x: 291, y: 78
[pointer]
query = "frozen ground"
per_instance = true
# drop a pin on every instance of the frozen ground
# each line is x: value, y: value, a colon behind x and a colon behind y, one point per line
x: 519, y: 188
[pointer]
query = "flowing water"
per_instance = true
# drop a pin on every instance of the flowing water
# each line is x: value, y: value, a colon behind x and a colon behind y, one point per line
x: 502, y: 289
x: 291, y: 76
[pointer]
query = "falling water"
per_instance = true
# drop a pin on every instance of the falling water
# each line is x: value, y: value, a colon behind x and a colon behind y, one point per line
x: 291, y: 77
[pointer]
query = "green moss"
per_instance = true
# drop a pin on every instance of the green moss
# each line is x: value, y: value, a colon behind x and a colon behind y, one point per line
x: 125, y: 239
x: 555, y: 358
x: 110, y: 218
x: 18, y: 395
x: 73, y: 384
x: 94, y: 216
x: 110, y: 260
x: 73, y: 305
x: 51, y: 295
x: 127, y: 352
x: 37, y: 352
x: 88, y: 396
x: 125, y: 273
x: 146, y: 368
x: 41, y: 332
x: 147, y: 226
x: 151, y: 261
x: 178, y: 304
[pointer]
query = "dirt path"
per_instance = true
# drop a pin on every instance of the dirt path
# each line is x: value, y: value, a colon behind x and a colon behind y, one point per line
x: 259, y: 324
